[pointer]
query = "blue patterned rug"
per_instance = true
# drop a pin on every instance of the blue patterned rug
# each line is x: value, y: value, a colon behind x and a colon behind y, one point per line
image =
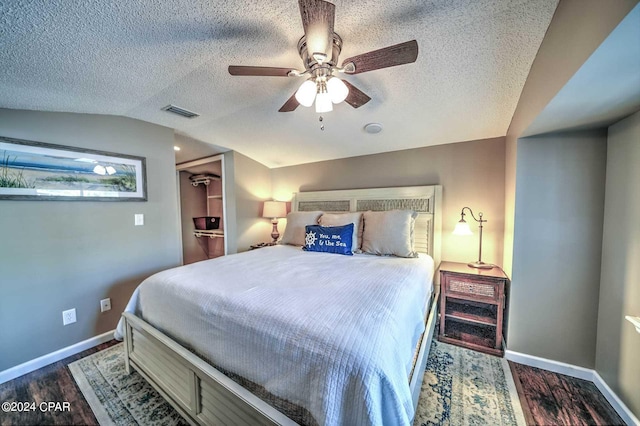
x: 117, y: 398
x: 460, y: 387
x: 464, y: 387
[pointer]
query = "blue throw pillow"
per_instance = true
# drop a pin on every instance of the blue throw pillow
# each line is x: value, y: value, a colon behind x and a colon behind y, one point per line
x: 329, y: 239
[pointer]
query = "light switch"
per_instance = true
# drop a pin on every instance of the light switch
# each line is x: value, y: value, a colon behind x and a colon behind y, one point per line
x: 139, y: 219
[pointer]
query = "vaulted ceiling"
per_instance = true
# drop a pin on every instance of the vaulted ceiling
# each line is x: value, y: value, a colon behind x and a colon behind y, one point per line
x: 133, y: 58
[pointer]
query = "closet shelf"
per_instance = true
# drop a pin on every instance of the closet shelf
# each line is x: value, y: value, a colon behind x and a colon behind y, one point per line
x: 211, y: 233
x: 204, y: 178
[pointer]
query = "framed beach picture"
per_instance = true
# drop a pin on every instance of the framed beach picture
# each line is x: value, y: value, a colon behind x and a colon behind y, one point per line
x: 41, y: 171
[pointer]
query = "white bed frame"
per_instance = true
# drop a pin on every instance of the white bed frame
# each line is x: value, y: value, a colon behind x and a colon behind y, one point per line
x: 205, y: 396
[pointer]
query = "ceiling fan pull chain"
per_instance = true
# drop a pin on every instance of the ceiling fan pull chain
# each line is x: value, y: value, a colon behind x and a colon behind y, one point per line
x: 321, y: 125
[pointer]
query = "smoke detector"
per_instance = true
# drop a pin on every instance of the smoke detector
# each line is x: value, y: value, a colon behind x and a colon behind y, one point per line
x: 373, y: 128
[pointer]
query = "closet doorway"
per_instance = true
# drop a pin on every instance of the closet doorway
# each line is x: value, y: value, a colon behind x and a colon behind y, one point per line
x: 202, y: 209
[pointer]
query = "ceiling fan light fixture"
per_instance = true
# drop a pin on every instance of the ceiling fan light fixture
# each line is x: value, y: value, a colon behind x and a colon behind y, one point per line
x: 323, y: 102
x: 306, y: 93
x: 319, y: 48
x: 337, y: 90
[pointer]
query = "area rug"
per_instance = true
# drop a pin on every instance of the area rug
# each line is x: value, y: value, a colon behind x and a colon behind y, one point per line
x: 460, y: 387
x: 117, y: 398
x: 464, y: 387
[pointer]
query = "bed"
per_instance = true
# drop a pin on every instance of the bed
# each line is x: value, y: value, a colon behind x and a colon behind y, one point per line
x: 322, y: 338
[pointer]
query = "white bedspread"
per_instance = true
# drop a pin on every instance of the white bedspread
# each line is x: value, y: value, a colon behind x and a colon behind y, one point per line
x: 333, y: 334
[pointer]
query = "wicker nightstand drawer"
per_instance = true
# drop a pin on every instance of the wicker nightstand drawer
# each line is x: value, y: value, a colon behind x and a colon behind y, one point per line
x: 478, y: 289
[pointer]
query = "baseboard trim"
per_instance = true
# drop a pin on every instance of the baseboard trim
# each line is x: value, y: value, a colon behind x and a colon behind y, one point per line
x: 581, y: 373
x: 551, y: 365
x: 52, y: 357
x: 617, y: 404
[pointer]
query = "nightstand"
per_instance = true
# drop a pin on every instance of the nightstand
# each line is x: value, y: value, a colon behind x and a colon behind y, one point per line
x: 260, y: 245
x: 472, y: 304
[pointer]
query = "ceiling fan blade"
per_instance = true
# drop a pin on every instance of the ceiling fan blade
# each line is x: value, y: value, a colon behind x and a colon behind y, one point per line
x: 318, y: 17
x: 259, y: 71
x: 356, y: 98
x: 399, y: 54
x: 290, y: 105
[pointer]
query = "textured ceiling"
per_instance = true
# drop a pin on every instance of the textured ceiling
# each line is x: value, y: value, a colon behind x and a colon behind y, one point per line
x: 132, y: 58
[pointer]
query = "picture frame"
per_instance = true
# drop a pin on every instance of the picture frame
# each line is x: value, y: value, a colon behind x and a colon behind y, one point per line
x: 32, y: 170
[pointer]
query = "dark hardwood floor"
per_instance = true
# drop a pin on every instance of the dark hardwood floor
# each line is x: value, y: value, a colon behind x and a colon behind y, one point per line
x: 53, y: 383
x: 547, y: 398
x: 555, y: 399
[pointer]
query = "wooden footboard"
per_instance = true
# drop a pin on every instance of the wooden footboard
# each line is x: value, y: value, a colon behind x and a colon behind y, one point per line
x: 415, y: 382
x: 205, y: 396
x: 198, y: 391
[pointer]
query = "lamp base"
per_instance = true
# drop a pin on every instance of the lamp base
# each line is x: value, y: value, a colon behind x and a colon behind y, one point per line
x: 480, y: 265
x: 274, y: 232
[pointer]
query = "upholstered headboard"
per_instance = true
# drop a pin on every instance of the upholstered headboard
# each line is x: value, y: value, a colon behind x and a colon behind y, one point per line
x: 425, y: 200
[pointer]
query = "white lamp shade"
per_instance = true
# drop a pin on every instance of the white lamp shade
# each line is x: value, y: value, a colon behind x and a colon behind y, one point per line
x: 337, y: 90
x: 462, y: 228
x: 306, y: 93
x: 274, y: 209
x: 323, y: 102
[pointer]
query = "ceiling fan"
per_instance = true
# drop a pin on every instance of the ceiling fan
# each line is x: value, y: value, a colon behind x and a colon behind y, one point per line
x: 319, y: 49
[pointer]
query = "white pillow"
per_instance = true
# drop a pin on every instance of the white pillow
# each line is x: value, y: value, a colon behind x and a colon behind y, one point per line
x: 296, y: 221
x: 340, y: 219
x: 389, y: 233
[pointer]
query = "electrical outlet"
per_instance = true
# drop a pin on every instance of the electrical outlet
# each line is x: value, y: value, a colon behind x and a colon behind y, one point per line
x: 69, y: 316
x: 105, y: 305
x: 138, y: 219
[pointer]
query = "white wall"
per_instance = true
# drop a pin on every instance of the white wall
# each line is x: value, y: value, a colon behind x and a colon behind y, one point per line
x: 559, y: 211
x: 471, y: 174
x: 576, y: 30
x: 618, y: 345
x: 247, y: 185
x: 252, y: 187
x: 58, y: 255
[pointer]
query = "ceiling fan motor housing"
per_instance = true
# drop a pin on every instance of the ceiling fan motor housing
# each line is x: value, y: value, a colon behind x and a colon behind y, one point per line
x: 310, y: 62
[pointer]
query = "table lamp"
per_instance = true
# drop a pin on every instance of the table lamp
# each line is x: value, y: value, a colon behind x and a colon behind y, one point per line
x: 274, y: 210
x: 462, y: 228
